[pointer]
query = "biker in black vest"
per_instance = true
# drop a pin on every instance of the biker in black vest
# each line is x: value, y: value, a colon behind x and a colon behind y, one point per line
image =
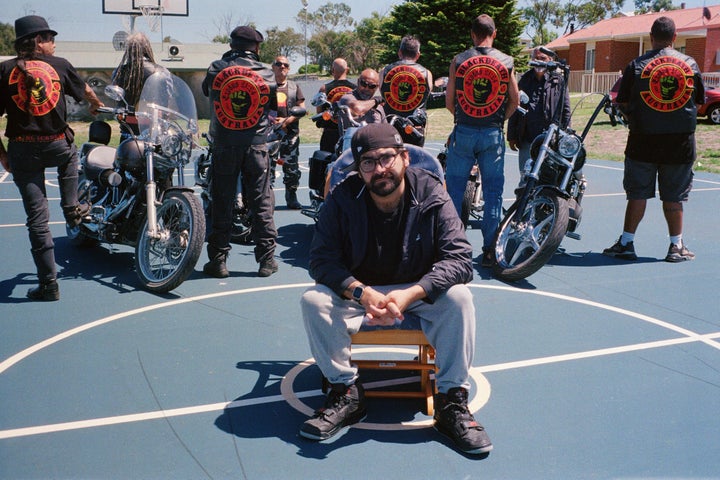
x: 242, y: 95
x: 334, y: 91
x: 659, y: 93
x: 482, y: 93
x: 406, y: 86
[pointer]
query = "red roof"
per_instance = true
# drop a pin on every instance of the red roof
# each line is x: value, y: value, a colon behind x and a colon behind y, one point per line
x: 686, y: 21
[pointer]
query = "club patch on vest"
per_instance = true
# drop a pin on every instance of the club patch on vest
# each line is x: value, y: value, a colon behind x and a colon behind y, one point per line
x: 670, y: 84
x: 406, y: 87
x: 45, y: 92
x: 242, y: 96
x: 484, y: 86
x: 335, y: 94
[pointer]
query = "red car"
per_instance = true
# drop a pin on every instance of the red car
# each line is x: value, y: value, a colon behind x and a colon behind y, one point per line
x: 709, y: 109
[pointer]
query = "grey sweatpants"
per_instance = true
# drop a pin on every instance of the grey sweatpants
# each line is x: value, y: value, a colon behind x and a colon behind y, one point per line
x: 448, y: 323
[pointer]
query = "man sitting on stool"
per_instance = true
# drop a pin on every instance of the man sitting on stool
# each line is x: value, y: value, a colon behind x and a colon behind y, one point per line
x: 389, y: 242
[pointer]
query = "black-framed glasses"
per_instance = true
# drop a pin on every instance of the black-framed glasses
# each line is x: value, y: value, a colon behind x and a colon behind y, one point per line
x: 281, y: 64
x: 386, y: 160
x: 366, y: 84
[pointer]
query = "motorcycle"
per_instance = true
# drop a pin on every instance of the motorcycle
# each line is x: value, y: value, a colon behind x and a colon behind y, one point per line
x: 548, y: 205
x: 321, y: 160
x: 130, y: 188
x: 277, y: 142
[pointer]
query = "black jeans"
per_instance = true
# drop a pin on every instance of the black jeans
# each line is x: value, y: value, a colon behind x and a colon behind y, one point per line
x: 253, y: 165
x: 28, y: 162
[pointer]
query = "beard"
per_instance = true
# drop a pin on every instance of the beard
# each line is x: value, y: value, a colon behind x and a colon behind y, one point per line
x: 384, y: 184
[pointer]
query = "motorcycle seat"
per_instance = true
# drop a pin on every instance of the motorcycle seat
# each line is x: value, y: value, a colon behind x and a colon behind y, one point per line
x: 419, y: 158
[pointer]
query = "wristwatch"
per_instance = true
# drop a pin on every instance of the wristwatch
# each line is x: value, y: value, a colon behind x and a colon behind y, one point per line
x: 357, y: 292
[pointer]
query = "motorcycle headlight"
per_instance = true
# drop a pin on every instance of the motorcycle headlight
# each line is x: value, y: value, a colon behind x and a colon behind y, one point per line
x: 569, y: 145
x: 171, y: 145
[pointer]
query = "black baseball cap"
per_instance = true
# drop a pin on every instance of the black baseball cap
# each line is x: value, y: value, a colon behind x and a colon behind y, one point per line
x: 374, y: 136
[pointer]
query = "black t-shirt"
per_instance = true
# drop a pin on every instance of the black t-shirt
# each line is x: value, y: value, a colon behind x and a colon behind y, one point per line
x: 384, y: 247
x: 41, y: 109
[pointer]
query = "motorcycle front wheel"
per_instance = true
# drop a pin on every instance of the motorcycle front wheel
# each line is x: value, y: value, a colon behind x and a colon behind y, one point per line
x: 523, y: 246
x: 163, y: 262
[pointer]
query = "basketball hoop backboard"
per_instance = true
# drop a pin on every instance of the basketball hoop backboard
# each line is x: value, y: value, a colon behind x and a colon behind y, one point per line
x: 176, y: 8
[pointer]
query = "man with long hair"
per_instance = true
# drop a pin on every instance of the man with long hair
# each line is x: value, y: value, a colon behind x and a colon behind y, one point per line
x: 33, y: 86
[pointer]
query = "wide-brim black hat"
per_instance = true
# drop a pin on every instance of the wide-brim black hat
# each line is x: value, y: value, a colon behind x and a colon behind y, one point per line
x: 31, y: 25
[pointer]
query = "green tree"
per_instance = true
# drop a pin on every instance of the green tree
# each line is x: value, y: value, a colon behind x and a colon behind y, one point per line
x: 331, y: 16
x: 579, y: 14
x: 443, y: 27
x: 541, y: 16
x: 7, y: 39
x: 647, y: 6
x: 286, y: 42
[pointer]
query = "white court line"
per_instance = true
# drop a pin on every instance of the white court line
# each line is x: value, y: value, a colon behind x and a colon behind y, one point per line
x: 215, y: 407
x: 688, y: 337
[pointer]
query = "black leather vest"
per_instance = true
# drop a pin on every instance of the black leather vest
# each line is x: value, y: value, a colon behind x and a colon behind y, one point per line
x: 482, y: 79
x: 405, y: 87
x: 663, y: 93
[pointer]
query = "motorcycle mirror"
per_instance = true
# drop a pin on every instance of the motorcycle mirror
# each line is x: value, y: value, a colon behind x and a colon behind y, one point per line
x: 115, y: 92
x: 319, y: 99
x: 297, y: 112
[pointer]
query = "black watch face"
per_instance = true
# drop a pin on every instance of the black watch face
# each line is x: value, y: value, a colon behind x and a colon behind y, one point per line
x: 357, y: 293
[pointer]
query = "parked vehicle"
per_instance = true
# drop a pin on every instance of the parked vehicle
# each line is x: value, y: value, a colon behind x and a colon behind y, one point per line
x: 130, y: 189
x: 548, y: 206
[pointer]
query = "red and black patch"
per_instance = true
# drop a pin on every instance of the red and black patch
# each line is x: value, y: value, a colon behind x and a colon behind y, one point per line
x: 405, y: 88
x: 242, y: 97
x: 45, y: 92
x: 484, y: 83
x: 670, y: 84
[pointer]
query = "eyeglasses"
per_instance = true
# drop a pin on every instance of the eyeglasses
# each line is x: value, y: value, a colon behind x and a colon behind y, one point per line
x: 281, y: 64
x: 386, y: 160
x: 364, y: 83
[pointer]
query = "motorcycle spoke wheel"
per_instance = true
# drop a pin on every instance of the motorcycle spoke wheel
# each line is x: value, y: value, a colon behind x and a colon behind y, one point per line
x: 523, y: 246
x: 164, y: 261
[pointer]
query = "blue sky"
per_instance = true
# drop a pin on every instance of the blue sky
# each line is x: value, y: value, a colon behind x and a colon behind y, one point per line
x: 82, y: 20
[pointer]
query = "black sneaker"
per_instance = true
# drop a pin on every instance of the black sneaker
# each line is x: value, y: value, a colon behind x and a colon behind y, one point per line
x: 344, y: 406
x: 216, y: 267
x: 624, y: 252
x: 453, y: 419
x: 678, y: 254
x: 46, y: 292
x: 267, y: 268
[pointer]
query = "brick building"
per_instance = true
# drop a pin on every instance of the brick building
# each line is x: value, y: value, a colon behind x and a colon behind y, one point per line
x: 609, y: 45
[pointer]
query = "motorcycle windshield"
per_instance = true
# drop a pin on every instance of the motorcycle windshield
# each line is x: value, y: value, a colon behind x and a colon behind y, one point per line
x: 165, y: 98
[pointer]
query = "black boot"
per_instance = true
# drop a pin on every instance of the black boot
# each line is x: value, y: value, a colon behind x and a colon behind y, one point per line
x: 453, y: 419
x: 46, y: 292
x: 216, y: 267
x: 74, y: 215
x: 291, y: 199
x: 344, y: 406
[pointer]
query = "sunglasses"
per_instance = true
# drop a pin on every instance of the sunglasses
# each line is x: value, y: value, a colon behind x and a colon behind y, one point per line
x: 281, y: 64
x: 364, y: 83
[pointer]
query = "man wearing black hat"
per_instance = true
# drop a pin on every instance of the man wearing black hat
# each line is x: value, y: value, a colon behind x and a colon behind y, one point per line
x: 32, y: 94
x: 242, y: 94
x: 390, y: 250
